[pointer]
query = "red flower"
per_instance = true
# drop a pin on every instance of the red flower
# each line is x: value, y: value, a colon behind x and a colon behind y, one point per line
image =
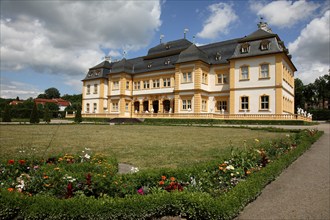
x: 161, y: 183
x: 22, y: 162
x: 172, y: 179
x: 89, y: 179
x: 11, y: 161
x: 10, y: 189
x: 140, y: 191
x: 69, y: 192
x: 163, y: 177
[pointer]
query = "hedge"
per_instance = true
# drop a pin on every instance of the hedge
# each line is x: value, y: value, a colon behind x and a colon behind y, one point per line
x: 191, y: 205
x: 320, y: 114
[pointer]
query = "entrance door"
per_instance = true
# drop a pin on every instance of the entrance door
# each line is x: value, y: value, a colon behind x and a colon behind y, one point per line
x: 167, y: 105
x: 155, y: 106
x: 137, y: 107
x: 146, y: 106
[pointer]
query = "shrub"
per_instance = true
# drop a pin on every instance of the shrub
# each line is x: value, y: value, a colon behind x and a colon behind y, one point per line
x: 7, y: 114
x: 77, y: 117
x: 34, y: 118
x: 47, y: 116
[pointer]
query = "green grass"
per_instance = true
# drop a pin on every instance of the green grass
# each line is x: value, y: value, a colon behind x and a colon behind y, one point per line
x: 140, y: 145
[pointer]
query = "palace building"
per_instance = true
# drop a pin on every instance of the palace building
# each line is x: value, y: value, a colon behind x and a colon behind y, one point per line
x: 249, y: 77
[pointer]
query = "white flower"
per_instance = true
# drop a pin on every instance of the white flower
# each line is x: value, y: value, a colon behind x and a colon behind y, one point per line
x: 87, y: 148
x: 134, y: 169
x: 87, y: 156
x: 230, y: 167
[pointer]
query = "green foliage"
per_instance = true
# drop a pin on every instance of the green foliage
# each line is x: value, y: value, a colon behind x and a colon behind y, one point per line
x: 47, y: 115
x: 34, y: 118
x: 187, y: 203
x: 320, y: 114
x: 7, y: 114
x: 77, y: 117
x: 52, y: 93
x: 218, y: 121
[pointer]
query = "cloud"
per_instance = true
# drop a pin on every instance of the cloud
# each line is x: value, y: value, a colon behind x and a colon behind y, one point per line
x: 284, y: 14
x: 222, y: 15
x: 12, y: 89
x: 67, y: 37
x: 311, y: 50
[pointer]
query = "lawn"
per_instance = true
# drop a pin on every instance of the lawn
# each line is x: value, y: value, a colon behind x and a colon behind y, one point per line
x: 139, y: 145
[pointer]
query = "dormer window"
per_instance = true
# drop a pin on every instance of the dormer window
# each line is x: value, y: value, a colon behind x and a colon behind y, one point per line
x: 149, y: 65
x: 218, y: 56
x: 167, y: 62
x: 167, y: 46
x: 264, y: 45
x: 245, y: 48
x: 97, y: 72
x: 90, y: 74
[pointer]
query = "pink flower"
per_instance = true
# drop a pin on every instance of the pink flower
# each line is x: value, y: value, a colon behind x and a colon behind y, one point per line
x: 140, y: 191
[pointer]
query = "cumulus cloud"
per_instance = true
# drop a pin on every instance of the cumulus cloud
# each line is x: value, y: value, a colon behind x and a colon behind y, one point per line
x: 311, y: 50
x: 12, y: 89
x: 284, y: 13
x: 66, y: 37
x: 222, y: 15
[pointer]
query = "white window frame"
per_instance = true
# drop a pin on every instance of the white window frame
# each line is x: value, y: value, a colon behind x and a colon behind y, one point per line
x: 146, y: 84
x: 95, y: 89
x: 167, y: 82
x: 115, y: 85
x: 264, y: 102
x: 187, y: 77
x: 88, y: 90
x: 244, y: 75
x: 244, y: 103
x: 115, y: 106
x: 264, y: 73
x: 156, y: 83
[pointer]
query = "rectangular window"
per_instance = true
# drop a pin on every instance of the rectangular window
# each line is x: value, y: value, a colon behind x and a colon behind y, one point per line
x: 204, y: 105
x: 244, y: 73
x: 95, y: 88
x: 126, y: 106
x: 127, y: 85
x: 222, y: 78
x: 146, y: 84
x: 136, y: 85
x: 204, y: 78
x: 115, y: 85
x: 186, y: 77
x: 264, y: 46
x: 156, y: 83
x: 87, y: 107
x: 88, y: 89
x: 222, y: 105
x: 95, y: 107
x: 115, y: 106
x: 167, y: 82
x: 244, y: 102
x: 186, y: 104
x: 264, y: 71
x: 264, y: 101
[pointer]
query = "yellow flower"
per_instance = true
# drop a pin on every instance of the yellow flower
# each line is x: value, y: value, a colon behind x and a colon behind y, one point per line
x: 56, y: 168
x: 256, y: 140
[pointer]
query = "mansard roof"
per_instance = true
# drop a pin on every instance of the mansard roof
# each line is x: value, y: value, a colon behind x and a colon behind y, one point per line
x: 164, y: 56
x: 192, y: 53
x: 122, y: 66
x: 168, y: 48
x: 258, y: 34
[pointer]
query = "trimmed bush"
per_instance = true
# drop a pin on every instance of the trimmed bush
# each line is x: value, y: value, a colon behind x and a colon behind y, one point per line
x: 7, y: 114
x: 34, y: 118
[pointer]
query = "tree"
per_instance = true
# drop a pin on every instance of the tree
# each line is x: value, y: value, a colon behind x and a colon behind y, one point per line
x: 6, y: 115
x: 77, y: 117
x: 299, y: 101
x: 52, y: 93
x: 47, y: 116
x: 34, y: 118
x: 309, y: 94
x: 52, y: 106
x: 42, y: 96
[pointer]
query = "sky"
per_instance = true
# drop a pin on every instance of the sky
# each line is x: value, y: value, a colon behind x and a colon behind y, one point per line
x: 53, y: 43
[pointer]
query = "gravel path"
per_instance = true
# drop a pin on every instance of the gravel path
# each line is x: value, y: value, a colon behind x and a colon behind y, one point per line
x: 301, y: 191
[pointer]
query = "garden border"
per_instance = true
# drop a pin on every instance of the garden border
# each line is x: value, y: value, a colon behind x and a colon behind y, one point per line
x: 186, y: 204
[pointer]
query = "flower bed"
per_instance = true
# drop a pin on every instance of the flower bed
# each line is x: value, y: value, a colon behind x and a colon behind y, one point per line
x: 60, y: 176
x: 215, y: 190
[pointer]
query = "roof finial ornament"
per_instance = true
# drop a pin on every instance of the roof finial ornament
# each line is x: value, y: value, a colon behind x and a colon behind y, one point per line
x: 263, y: 25
x: 107, y: 58
x: 161, y: 38
x: 194, y: 38
x: 185, y: 32
x: 124, y: 54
